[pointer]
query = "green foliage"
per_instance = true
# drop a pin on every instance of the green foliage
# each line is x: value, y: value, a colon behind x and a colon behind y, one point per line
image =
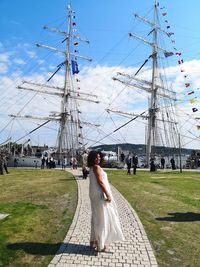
x: 140, y: 149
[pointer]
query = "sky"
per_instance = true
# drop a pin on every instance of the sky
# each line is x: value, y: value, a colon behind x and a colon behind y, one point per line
x: 106, y: 25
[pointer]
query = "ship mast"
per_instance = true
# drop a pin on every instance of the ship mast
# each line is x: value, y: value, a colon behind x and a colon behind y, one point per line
x: 70, y: 136
x: 153, y: 87
x: 151, y: 130
x: 72, y: 131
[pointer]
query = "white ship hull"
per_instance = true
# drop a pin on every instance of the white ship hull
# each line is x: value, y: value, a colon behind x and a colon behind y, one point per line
x: 24, y: 161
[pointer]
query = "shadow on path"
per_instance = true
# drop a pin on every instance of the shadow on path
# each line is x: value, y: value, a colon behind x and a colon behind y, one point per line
x: 181, y: 217
x: 52, y: 249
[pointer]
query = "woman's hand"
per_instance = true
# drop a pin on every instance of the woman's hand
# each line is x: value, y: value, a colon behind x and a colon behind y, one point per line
x: 108, y: 199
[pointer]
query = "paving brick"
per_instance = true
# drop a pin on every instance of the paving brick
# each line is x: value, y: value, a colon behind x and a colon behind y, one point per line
x: 97, y: 263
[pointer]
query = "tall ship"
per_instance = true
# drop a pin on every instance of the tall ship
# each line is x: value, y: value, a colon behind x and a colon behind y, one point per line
x: 161, y: 128
x: 70, y: 139
x: 158, y: 113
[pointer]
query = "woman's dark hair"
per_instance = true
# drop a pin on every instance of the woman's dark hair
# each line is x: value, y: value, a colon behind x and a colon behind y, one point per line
x: 92, y: 156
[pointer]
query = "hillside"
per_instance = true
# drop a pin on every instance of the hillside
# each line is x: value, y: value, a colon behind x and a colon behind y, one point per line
x: 140, y: 149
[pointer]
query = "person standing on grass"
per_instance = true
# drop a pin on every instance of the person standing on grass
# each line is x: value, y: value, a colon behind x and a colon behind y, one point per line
x: 1, y: 165
x: 105, y: 225
x: 162, y: 161
x: 64, y: 163
x: 152, y: 165
x: 128, y: 163
x: 135, y: 163
x: 172, y: 161
x: 122, y: 157
x: 5, y: 164
x: 42, y: 162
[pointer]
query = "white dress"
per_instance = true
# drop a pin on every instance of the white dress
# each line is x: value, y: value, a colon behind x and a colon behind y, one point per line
x: 105, y: 225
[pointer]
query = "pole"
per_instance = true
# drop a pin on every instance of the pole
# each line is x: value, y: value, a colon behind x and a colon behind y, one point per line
x: 180, y: 152
x: 151, y: 131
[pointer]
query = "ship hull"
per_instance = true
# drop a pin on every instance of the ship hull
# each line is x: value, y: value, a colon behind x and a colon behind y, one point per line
x: 23, y: 161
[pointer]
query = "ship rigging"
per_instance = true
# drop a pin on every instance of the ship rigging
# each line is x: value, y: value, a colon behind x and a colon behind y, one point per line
x: 70, y: 136
x: 161, y: 108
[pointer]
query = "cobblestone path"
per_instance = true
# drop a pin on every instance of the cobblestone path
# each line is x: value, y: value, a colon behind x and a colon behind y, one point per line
x: 135, y: 251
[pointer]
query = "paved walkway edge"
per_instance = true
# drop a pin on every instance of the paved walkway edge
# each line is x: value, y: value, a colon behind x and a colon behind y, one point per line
x: 147, y: 242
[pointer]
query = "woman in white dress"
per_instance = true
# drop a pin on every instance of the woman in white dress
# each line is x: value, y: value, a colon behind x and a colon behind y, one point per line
x: 105, y: 225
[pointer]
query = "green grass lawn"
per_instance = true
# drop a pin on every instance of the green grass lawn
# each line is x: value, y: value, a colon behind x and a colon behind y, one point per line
x: 168, y: 204
x: 41, y: 204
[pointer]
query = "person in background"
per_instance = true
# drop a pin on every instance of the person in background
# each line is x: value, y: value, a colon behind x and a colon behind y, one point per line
x: 122, y: 157
x: 71, y: 162
x: 172, y: 161
x: 162, y: 161
x: 74, y: 163
x: 152, y: 165
x: 105, y: 225
x: 47, y: 162
x: 128, y: 163
x: 1, y: 165
x: 85, y: 171
x: 43, y: 162
x: 5, y: 164
x: 135, y: 163
x: 64, y: 163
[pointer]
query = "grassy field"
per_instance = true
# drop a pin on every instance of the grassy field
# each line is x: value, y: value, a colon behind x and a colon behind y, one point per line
x: 41, y: 204
x: 168, y: 204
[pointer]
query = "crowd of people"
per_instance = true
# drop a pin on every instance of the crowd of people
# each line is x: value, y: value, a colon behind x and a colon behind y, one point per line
x: 72, y: 163
x: 131, y: 161
x: 48, y: 162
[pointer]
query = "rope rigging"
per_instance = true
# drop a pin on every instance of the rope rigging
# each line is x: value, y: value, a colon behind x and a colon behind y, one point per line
x: 163, y: 113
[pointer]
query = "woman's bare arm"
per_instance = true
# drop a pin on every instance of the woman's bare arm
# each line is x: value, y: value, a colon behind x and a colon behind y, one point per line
x: 98, y: 174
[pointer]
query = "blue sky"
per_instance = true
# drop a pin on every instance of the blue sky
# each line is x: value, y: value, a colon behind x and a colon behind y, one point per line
x: 106, y: 24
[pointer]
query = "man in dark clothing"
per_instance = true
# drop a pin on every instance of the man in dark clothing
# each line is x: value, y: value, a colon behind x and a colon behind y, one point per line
x: 152, y: 165
x: 135, y: 163
x: 1, y: 165
x: 5, y: 164
x: 162, y: 161
x: 122, y: 157
x: 85, y: 172
x: 173, y: 164
x: 43, y: 162
x: 128, y: 163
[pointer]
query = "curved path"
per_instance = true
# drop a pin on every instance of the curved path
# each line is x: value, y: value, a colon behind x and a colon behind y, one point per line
x: 135, y: 251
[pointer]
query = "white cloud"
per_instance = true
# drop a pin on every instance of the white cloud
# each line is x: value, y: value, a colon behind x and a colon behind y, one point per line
x: 98, y: 80
x: 3, y: 67
x: 4, y: 57
x: 40, y: 62
x: 4, y: 62
x: 31, y: 54
x: 19, y: 61
x: 111, y: 94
